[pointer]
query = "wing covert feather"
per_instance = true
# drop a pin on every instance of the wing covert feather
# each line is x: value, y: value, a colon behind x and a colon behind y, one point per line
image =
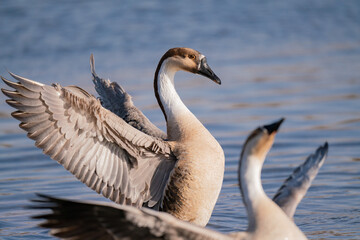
x: 117, y: 100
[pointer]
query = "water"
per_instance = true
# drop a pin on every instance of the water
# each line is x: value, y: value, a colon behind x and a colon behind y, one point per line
x: 293, y: 59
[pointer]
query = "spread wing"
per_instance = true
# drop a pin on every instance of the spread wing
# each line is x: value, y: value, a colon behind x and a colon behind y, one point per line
x: 114, y: 98
x: 99, y: 148
x: 296, y: 185
x: 91, y: 220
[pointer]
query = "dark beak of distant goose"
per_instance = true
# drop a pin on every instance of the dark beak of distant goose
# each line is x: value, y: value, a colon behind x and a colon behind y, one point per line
x: 274, y: 126
x: 206, y: 71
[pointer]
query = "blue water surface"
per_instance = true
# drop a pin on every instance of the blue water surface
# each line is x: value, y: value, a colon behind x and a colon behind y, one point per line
x: 293, y: 59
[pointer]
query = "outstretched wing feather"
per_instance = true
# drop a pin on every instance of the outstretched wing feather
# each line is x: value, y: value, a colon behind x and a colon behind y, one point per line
x: 296, y: 185
x: 92, y: 220
x: 98, y: 147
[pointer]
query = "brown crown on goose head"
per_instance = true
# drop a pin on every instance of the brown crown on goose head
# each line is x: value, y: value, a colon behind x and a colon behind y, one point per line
x: 189, y: 60
x: 185, y: 59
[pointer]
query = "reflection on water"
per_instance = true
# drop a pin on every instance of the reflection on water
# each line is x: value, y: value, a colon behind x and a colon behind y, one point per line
x: 293, y: 59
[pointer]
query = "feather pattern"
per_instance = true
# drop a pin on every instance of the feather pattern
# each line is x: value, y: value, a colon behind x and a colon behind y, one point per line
x: 114, y: 98
x: 93, y: 220
x: 94, y: 144
x: 296, y: 185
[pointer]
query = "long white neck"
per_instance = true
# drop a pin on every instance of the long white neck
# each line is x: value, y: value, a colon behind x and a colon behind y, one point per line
x: 173, y: 106
x: 176, y: 113
x: 250, y: 184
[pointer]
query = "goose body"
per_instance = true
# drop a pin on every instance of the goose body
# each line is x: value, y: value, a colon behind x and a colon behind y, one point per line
x: 199, y: 169
x: 134, y: 163
x: 267, y: 220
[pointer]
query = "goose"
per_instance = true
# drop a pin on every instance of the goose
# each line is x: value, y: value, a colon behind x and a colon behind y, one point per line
x: 116, y: 99
x: 70, y: 219
x: 266, y: 220
x: 180, y: 173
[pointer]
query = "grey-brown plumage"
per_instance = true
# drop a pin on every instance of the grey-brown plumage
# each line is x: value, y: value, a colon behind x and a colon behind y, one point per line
x: 296, y: 185
x: 114, y: 98
x: 99, y: 148
x: 92, y: 220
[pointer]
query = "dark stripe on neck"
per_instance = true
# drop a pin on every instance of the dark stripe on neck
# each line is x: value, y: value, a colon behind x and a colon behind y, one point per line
x: 156, y: 89
x: 171, y: 52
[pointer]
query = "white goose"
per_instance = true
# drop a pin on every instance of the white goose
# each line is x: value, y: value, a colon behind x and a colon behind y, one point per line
x: 266, y: 220
x: 94, y: 220
x: 181, y: 175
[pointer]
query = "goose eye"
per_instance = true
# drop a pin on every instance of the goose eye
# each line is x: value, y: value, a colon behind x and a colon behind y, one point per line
x: 191, y: 56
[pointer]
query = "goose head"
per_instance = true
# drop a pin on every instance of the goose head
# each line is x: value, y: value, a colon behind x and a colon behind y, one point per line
x: 189, y: 60
x: 260, y: 141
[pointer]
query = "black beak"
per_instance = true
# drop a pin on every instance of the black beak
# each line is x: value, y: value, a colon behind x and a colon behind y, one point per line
x: 206, y: 71
x: 274, y: 126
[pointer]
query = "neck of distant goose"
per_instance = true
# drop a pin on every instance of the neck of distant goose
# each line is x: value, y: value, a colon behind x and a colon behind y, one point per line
x: 173, y: 108
x: 251, y: 188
